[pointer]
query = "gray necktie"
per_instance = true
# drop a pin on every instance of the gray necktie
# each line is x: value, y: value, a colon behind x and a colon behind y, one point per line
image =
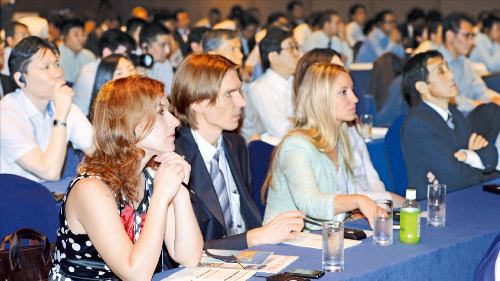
x: 449, y: 122
x: 220, y: 189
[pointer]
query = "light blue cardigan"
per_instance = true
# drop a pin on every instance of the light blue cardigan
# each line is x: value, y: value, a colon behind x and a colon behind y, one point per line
x: 305, y: 180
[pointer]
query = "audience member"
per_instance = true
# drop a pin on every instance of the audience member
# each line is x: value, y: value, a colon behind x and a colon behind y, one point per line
x: 271, y: 94
x: 14, y: 33
x: 303, y: 30
x: 111, y: 67
x: 73, y: 56
x: 435, y: 37
x: 134, y: 27
x: 487, y: 44
x: 366, y: 178
x: 194, y: 44
x: 449, y: 149
x: 207, y: 101
x: 214, y: 17
x: 311, y: 169
x: 248, y: 28
x: 384, y: 38
x: 37, y: 120
x: 7, y: 85
x: 112, y: 222
x: 111, y: 42
x: 415, y: 17
x: 182, y: 28
x: 329, y: 36
x: 457, y: 42
x: 354, y: 29
x: 296, y: 14
x: 155, y: 39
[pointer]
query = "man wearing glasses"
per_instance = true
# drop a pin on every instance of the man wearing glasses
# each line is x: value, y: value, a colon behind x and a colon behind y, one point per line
x: 384, y: 38
x: 458, y: 38
x: 272, y: 94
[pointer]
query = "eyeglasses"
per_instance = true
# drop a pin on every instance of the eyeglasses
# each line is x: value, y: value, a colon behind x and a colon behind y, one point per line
x: 468, y: 35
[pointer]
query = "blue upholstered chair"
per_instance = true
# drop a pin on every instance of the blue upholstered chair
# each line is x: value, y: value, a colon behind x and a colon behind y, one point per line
x: 25, y: 203
x: 394, y: 154
x: 260, y: 153
x: 485, y: 271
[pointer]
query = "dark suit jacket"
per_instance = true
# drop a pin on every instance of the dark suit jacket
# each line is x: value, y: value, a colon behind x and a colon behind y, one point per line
x: 205, y: 202
x: 429, y: 144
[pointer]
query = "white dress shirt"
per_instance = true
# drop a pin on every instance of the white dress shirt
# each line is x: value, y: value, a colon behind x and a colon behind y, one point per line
x: 319, y: 39
x: 272, y: 98
x: 163, y: 72
x: 207, y: 153
x: 71, y: 64
x: 83, y: 85
x: 486, y: 51
x: 23, y: 127
x: 354, y: 33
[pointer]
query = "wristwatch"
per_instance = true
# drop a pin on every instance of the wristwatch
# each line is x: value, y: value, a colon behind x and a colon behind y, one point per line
x: 59, y: 123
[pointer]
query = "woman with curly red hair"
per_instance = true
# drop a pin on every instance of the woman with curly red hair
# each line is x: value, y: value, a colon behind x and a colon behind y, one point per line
x: 112, y: 224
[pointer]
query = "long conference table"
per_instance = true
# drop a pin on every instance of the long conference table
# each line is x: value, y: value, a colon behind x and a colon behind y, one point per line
x: 444, y: 253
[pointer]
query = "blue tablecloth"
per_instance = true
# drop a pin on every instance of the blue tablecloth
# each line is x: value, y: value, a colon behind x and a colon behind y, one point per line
x: 447, y: 253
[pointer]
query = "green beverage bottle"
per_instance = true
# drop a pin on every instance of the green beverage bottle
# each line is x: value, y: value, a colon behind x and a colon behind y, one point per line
x: 410, y: 219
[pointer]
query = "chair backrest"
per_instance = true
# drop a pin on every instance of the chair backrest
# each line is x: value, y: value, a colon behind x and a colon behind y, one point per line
x: 394, y: 155
x: 260, y: 153
x: 385, y: 69
x: 25, y: 203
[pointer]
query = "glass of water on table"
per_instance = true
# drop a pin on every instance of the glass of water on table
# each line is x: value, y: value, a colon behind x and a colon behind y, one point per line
x: 436, y: 204
x: 333, y: 246
x: 382, y: 223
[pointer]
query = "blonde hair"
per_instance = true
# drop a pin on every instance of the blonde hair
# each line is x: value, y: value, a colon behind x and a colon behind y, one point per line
x: 316, y: 117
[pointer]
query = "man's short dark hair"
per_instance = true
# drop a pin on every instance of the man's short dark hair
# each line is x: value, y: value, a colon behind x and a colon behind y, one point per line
x: 21, y: 54
x: 114, y: 38
x: 214, y: 11
x: 10, y: 28
x: 414, y: 15
x: 291, y: 5
x: 452, y: 22
x: 67, y: 25
x: 272, y: 43
x: 273, y: 17
x: 433, y: 26
x: 414, y: 71
x: 195, y: 35
x: 380, y: 16
x: 164, y: 15
x: 247, y: 20
x: 325, y: 17
x: 150, y: 31
x: 354, y: 9
x: 133, y: 24
x: 489, y: 22
x: 213, y: 38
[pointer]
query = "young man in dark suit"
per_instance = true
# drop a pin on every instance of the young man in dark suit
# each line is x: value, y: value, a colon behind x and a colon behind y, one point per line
x: 435, y: 135
x: 207, y: 100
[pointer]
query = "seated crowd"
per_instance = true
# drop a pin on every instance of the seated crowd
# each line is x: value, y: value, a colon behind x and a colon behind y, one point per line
x: 163, y: 114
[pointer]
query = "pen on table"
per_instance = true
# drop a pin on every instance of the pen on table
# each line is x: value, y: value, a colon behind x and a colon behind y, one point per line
x: 312, y: 222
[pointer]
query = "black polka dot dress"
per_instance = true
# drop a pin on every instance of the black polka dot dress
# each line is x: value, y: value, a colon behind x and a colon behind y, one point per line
x: 75, y: 257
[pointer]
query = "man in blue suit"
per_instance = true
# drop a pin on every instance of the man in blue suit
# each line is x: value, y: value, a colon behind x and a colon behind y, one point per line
x: 207, y: 100
x: 435, y: 135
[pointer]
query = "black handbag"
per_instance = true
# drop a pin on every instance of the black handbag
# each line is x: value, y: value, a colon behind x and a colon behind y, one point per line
x: 29, y: 262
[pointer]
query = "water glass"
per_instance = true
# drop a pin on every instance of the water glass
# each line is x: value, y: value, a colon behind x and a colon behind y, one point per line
x: 436, y: 204
x: 382, y: 223
x: 366, y: 121
x: 333, y: 246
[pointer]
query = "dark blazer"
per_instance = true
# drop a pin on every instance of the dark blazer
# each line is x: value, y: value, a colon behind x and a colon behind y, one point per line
x: 429, y: 144
x: 205, y: 202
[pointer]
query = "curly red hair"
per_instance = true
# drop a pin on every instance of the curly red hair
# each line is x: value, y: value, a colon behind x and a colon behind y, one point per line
x: 121, y: 106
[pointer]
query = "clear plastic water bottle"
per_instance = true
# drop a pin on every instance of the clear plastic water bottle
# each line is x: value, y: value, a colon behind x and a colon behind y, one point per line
x: 410, y: 219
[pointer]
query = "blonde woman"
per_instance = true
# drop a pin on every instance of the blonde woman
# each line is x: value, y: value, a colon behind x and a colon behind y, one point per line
x: 310, y: 169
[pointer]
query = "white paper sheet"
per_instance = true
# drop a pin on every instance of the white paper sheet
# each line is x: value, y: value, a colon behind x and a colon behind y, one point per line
x: 211, y: 274
x: 315, y: 241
